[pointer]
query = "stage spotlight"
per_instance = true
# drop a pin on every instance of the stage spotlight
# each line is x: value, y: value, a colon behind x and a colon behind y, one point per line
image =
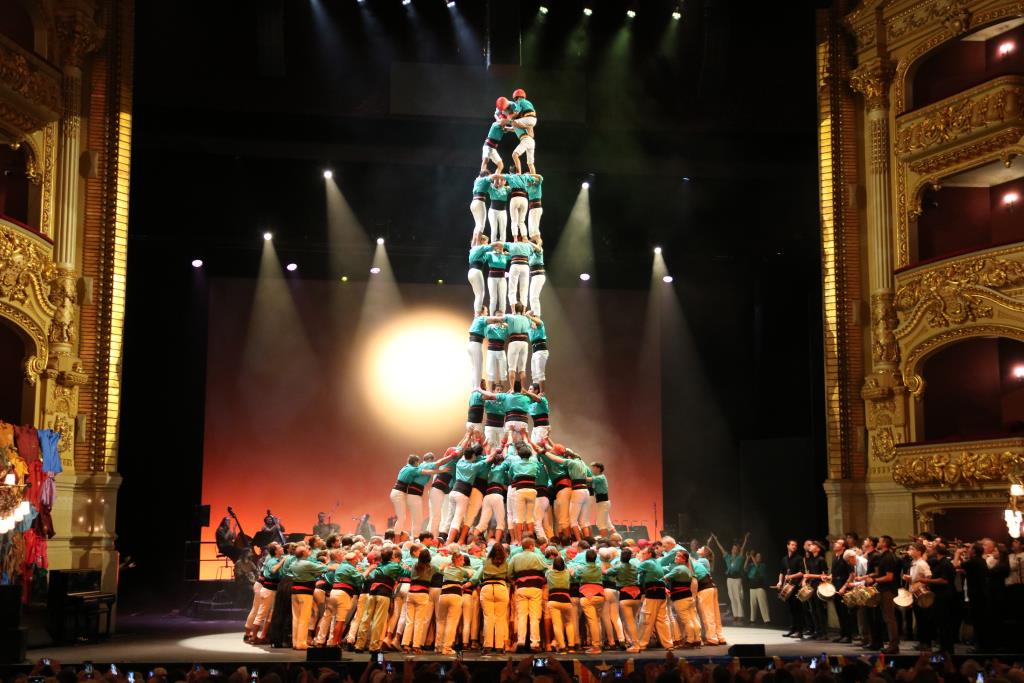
x: 197, y: 263
x: 585, y: 185
x: 406, y: 3
x: 292, y: 267
x: 440, y: 282
x: 374, y: 271
x: 380, y: 240
x: 657, y: 250
x: 667, y: 279
x: 686, y: 178
x: 631, y: 13
x: 587, y: 11
x: 451, y: 4
x: 676, y: 15
x: 344, y: 278
x: 328, y: 174
x: 585, y: 276
x: 268, y: 236
x: 543, y: 9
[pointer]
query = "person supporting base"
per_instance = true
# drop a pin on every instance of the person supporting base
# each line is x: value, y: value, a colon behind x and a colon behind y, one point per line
x: 496, y: 260
x: 478, y: 205
x: 498, y: 193
x: 478, y: 250
x: 475, y: 348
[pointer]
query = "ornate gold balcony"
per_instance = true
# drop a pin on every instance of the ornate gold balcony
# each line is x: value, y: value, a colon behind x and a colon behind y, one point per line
x: 962, y: 465
x: 30, y: 90
x: 944, y: 133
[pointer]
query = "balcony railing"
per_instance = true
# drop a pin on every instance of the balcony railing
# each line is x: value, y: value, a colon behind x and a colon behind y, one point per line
x: 977, y: 464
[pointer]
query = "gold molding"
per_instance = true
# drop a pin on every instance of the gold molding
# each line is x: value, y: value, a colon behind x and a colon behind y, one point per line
x: 30, y: 86
x: 913, y: 356
x: 954, y: 466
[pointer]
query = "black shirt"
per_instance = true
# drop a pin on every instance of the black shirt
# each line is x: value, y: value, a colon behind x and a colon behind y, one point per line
x: 942, y: 569
x: 840, y: 570
x: 816, y: 565
x: 887, y: 562
x: 793, y: 564
x: 976, y: 575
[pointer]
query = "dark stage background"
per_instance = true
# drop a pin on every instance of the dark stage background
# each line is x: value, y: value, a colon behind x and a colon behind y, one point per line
x: 230, y: 137
x: 313, y: 399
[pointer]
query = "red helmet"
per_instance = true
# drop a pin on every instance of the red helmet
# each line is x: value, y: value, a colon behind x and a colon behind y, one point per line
x: 501, y: 104
x: 517, y: 93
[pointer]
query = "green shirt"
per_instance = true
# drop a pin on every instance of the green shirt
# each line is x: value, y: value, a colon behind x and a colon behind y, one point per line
x: 542, y: 474
x: 498, y: 193
x: 533, y: 190
x: 407, y: 474
x: 589, y: 573
x: 494, y: 407
x: 679, y: 573
x: 600, y: 484
x: 496, y: 332
x: 734, y: 566
x: 479, y: 325
x: 524, y: 468
x: 649, y: 571
x: 453, y: 574
x: 526, y: 561
x: 347, y: 573
x: 519, y: 248
x: 523, y: 105
x: 498, y: 474
x: 519, y: 181
x: 539, y: 407
x: 466, y: 470
x: 476, y: 399
x: 496, y: 261
x: 537, y: 258
x: 480, y: 184
x: 515, y: 402
x: 420, y: 478
x: 305, y: 570
x: 559, y: 580
x: 492, y: 571
x: 478, y: 254
x: 556, y: 470
x: 577, y: 469
x: 517, y: 324
x: 268, y: 566
x: 496, y: 132
x: 624, y: 573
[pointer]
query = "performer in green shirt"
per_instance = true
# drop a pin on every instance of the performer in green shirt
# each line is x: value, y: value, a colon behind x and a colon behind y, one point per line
x: 496, y: 333
x: 491, y: 142
x: 525, y: 119
x: 498, y: 193
x: 496, y: 261
x: 478, y: 248
x: 536, y: 207
x: 475, y: 347
x: 604, y: 506
x: 478, y: 205
x: 538, y: 276
x: 519, y: 253
x: 519, y: 191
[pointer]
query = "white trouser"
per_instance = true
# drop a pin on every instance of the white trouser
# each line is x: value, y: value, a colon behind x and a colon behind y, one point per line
x: 493, y: 507
x: 517, y: 353
x: 492, y: 435
x: 447, y: 512
x: 604, y: 515
x: 539, y: 366
x: 529, y: 607
x: 415, y: 506
x: 539, y: 433
x: 436, y: 499
x: 541, y: 517
x: 476, y: 500
x: 525, y: 121
x: 518, y: 207
x: 525, y: 499
x: 447, y: 622
x: 577, y: 503
x: 528, y: 145
x: 398, y: 612
x: 518, y: 284
x: 536, y: 285
x: 497, y: 366
x: 475, y: 350
x: 496, y: 287
x: 478, y: 208
x: 256, y: 586
x: 563, y: 508
x: 759, y: 601
x: 588, y: 510
x: 735, y: 587
x: 510, y: 506
x: 610, y: 617
x: 535, y: 214
x: 490, y: 154
x: 398, y: 501
x: 476, y: 281
x: 499, y: 223
x: 460, y: 503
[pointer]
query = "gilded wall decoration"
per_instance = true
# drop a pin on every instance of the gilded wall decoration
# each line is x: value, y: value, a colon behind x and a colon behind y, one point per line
x: 968, y: 469
x: 967, y: 153
x: 32, y: 79
x: 913, y: 19
x: 872, y: 80
x: 883, y: 447
x: 955, y: 293
x: 994, y: 102
x: 913, y: 356
x: 23, y: 268
x: 883, y: 323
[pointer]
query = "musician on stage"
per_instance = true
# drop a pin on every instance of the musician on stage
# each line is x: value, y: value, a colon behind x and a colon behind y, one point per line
x: 791, y: 573
x: 323, y: 527
x: 843, y: 562
x: 274, y: 526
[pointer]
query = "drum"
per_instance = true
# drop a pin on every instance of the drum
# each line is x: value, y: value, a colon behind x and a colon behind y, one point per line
x: 871, y: 596
x: 904, y: 598
x: 805, y: 593
x: 786, y: 591
x: 826, y: 590
x: 922, y: 595
x: 850, y: 598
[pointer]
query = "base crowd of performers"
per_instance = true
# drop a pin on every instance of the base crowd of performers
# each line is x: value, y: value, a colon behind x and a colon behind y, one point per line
x: 393, y: 593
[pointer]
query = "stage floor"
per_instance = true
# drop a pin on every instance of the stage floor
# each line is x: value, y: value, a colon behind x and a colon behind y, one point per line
x: 172, y: 638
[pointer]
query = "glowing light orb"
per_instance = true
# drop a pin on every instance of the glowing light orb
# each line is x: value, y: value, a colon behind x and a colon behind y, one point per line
x: 415, y: 374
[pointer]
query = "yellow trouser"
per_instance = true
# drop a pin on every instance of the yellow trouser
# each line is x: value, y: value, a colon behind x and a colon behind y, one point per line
x: 528, y: 606
x: 654, y: 615
x: 592, y: 613
x: 302, y: 608
x: 629, y: 610
x: 338, y: 604
x: 357, y: 618
x: 448, y: 621
x: 686, y: 619
x: 494, y: 599
x: 563, y: 622
x: 373, y: 623
x: 707, y: 602
x: 417, y: 621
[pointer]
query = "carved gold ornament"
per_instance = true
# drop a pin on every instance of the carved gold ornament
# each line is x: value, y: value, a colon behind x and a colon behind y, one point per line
x: 883, y: 447
x: 31, y: 79
x: 872, y: 81
x: 963, y: 115
x: 883, y: 322
x: 23, y: 268
x: 956, y: 292
x: 968, y: 469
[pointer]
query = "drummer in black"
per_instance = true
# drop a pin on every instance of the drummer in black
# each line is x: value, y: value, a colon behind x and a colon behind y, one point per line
x: 841, y: 570
x: 886, y: 579
x: 874, y: 614
x: 941, y: 584
x: 816, y: 569
x: 791, y: 573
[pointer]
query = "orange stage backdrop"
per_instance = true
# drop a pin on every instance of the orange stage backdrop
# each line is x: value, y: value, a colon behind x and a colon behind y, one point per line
x: 318, y: 391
